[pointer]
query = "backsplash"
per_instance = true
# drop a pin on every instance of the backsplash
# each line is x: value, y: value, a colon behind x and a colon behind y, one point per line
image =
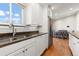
x: 18, y: 29
x: 18, y: 33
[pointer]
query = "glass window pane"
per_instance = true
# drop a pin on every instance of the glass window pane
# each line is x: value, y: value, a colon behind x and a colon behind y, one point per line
x: 16, y: 14
x: 4, y: 12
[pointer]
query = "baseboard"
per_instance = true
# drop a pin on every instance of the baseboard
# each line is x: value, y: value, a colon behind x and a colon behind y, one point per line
x: 43, y: 52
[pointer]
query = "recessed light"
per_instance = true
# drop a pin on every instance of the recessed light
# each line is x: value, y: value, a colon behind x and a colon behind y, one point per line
x: 53, y: 8
x: 71, y: 9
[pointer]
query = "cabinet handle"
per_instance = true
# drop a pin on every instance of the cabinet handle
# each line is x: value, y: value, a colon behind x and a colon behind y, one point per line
x: 26, y: 49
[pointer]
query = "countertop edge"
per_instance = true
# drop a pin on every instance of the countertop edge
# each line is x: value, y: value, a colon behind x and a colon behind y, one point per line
x: 74, y: 35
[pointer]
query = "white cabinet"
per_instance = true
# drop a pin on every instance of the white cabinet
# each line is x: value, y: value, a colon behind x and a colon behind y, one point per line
x: 41, y: 43
x: 74, y: 45
x: 33, y: 14
x: 46, y: 40
x: 15, y: 47
x: 31, y: 47
x: 19, y: 52
x: 30, y: 50
x: 38, y: 45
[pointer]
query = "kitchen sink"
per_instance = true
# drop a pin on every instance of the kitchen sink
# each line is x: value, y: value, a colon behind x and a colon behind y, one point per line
x: 11, y: 39
x: 17, y: 38
x: 5, y: 40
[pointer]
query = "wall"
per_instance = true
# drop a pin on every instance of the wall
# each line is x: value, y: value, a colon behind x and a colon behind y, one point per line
x: 61, y: 24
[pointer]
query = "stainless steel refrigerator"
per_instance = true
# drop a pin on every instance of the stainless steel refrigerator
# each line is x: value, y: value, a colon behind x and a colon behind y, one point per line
x: 50, y: 41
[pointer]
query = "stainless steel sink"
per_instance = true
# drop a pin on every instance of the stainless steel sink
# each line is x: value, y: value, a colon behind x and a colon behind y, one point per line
x: 11, y: 39
x: 17, y: 38
x: 5, y: 40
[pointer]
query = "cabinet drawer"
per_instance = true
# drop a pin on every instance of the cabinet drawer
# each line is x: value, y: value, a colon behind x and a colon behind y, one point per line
x: 19, y: 52
x: 22, y: 51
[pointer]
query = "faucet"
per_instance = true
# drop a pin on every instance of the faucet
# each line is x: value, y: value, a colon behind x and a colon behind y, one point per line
x: 13, y: 30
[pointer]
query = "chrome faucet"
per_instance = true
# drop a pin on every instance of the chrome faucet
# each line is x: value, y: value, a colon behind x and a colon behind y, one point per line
x: 13, y: 30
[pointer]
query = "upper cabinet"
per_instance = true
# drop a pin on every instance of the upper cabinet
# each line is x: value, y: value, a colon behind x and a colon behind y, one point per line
x: 33, y: 14
x: 37, y: 14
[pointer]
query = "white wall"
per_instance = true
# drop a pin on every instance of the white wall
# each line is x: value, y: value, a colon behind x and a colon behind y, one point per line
x: 61, y: 24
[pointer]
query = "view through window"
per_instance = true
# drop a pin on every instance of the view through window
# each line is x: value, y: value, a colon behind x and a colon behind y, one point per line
x: 4, y: 13
x: 15, y: 16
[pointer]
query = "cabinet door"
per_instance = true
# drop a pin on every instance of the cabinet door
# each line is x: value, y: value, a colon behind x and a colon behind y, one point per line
x: 73, y: 45
x: 41, y: 44
x: 19, y: 52
x: 70, y: 40
x: 74, y: 49
x: 45, y: 41
x: 38, y: 45
x: 30, y: 50
x: 77, y: 47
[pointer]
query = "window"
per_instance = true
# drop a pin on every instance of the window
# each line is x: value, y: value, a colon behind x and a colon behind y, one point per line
x: 4, y: 13
x: 16, y: 14
x: 10, y: 13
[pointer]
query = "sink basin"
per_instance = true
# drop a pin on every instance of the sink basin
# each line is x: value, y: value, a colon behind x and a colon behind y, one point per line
x: 5, y: 40
x: 11, y: 39
x: 17, y: 38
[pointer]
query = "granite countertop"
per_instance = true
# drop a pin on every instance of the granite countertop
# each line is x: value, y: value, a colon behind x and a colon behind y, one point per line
x: 8, y: 40
x: 75, y: 34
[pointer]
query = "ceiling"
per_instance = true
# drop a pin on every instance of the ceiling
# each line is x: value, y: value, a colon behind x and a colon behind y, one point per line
x: 60, y: 10
x: 64, y: 6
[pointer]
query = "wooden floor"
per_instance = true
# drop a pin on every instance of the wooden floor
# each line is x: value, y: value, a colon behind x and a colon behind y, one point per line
x: 60, y: 47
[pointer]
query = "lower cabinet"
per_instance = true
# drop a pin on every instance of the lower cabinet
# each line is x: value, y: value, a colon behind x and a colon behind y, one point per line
x: 31, y: 50
x: 27, y: 50
x: 19, y: 52
x: 74, y: 45
x: 31, y: 47
x: 41, y: 44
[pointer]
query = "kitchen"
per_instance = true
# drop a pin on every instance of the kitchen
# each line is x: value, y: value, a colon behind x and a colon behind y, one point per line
x: 31, y: 29
x: 22, y: 29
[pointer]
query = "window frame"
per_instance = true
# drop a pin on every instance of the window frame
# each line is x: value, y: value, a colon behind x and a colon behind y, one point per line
x: 10, y: 16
